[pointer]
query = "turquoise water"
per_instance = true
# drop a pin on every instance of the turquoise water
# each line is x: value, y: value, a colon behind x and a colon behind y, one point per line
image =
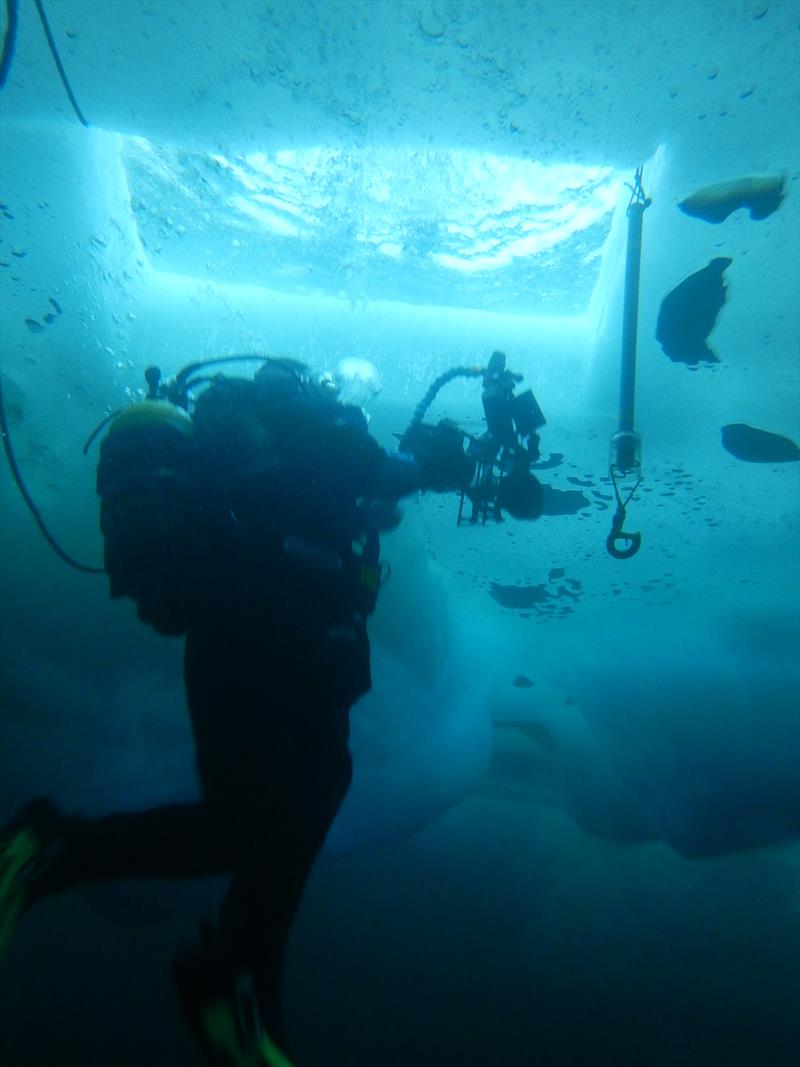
x: 572, y: 833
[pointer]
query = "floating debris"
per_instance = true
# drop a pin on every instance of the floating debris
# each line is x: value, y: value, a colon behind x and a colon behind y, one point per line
x: 555, y: 459
x: 56, y: 306
x: 761, y: 195
x: 34, y: 326
x: 518, y: 596
x: 688, y: 314
x: 561, y: 592
x: 563, y: 501
x: 758, y: 446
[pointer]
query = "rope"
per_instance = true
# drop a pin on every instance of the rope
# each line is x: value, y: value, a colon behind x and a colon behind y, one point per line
x: 637, y: 192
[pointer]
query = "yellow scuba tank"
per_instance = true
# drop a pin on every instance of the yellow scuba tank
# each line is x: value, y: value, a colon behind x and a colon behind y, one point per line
x: 147, y: 480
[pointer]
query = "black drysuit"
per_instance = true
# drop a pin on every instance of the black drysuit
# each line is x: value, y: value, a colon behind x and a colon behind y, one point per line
x: 276, y: 600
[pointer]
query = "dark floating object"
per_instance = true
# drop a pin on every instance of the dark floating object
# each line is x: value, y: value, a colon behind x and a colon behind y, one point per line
x: 563, y: 501
x: 518, y: 596
x: 56, y: 306
x: 688, y: 314
x: 556, y: 572
x: 555, y: 459
x: 758, y: 446
x: 761, y: 195
x: 49, y: 317
x: 561, y: 591
x: 34, y: 326
x: 522, y: 681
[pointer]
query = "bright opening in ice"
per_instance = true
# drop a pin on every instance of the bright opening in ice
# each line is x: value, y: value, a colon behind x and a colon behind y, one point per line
x: 455, y: 228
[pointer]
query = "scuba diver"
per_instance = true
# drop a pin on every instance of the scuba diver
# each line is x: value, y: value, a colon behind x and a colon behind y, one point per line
x: 252, y: 527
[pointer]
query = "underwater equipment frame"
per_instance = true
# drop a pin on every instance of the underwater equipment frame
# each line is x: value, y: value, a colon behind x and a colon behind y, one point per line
x: 505, y: 453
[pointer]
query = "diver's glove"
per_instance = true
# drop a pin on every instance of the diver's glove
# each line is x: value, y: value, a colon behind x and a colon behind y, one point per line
x: 439, y: 454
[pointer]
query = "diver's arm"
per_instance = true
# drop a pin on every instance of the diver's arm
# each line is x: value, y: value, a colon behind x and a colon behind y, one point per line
x: 399, y: 475
x: 430, y: 457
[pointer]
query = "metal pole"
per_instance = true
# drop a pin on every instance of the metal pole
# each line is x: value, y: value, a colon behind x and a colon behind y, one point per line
x: 630, y: 318
x: 625, y: 459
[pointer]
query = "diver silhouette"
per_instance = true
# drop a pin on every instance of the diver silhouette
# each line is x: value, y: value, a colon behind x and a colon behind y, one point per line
x: 251, y: 526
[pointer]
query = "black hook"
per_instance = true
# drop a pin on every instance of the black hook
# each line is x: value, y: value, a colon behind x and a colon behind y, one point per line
x: 633, y: 540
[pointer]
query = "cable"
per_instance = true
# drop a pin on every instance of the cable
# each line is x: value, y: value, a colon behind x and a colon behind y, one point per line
x: 9, y: 41
x: 5, y: 67
x: 59, y: 65
x: 26, y: 496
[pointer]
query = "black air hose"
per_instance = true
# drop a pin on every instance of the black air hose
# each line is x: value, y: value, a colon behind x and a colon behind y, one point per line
x: 455, y: 372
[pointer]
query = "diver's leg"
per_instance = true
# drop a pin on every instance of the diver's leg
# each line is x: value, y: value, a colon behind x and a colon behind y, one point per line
x: 276, y: 712
x: 43, y: 852
x: 230, y: 986
x: 174, y: 841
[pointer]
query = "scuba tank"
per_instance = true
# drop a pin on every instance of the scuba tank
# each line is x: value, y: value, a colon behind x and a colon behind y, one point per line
x: 154, y: 477
x: 149, y: 504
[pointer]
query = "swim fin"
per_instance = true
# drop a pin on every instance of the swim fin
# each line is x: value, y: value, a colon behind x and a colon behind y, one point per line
x: 28, y: 846
x: 224, y: 1016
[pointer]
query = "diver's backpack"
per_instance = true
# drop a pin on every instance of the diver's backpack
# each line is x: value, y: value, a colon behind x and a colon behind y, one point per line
x: 184, y: 497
